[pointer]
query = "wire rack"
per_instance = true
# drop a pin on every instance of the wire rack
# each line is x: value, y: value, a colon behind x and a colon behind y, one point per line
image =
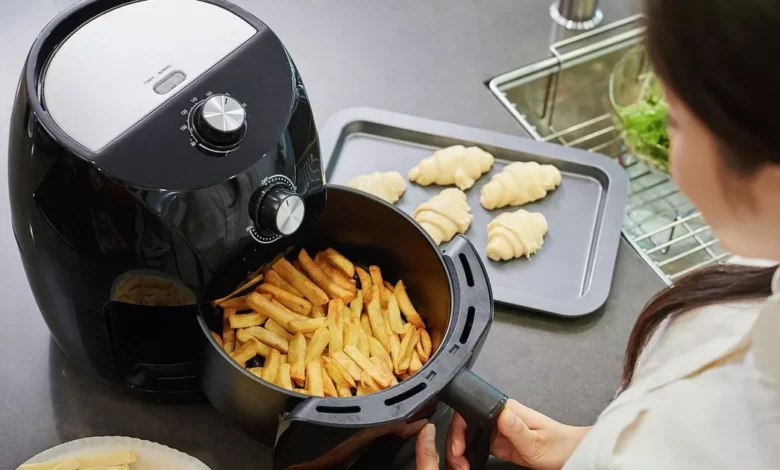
x: 564, y: 99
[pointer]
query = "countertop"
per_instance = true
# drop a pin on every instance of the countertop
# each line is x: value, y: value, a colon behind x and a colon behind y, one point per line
x: 427, y: 58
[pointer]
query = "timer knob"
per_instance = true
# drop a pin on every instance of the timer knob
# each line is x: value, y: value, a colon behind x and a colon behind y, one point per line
x: 220, y: 121
x: 277, y: 210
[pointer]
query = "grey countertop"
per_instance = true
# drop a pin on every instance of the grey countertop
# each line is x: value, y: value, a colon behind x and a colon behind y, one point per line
x: 427, y: 58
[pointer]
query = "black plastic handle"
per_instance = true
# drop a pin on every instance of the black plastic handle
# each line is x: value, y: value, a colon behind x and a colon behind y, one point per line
x: 479, y: 403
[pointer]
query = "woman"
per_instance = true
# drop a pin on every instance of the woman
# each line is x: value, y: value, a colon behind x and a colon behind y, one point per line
x: 701, y: 380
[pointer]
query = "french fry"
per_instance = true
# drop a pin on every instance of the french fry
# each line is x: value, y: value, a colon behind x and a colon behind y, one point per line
x: 279, y: 314
x: 246, y: 337
x: 238, y: 303
x: 379, y: 362
x: 293, y: 302
x: 363, y: 345
x: 301, y: 390
x: 108, y: 461
x: 218, y: 339
x: 343, y: 391
x: 269, y: 338
x: 228, y: 333
x: 272, y: 277
x: 271, y: 366
x: 284, y: 358
x: 246, y: 352
x: 394, y: 314
x: 360, y: 390
x: 340, y: 261
x: 317, y: 311
x: 365, y: 284
x: 369, y: 384
x: 239, y: 343
x: 290, y: 313
x: 415, y: 364
x: 317, y: 344
x: 395, y: 349
x: 386, y: 319
x: 246, y: 285
x: 348, y: 364
x: 406, y: 355
x: 321, y: 279
x: 351, y: 335
x: 377, y: 350
x: 297, y: 359
x: 420, y: 351
x: 376, y: 280
x: 406, y: 306
x: 377, y: 320
x: 382, y: 377
x: 335, y: 274
x: 356, y: 306
x: 274, y: 327
x: 283, y: 377
x: 307, y: 326
x: 405, y: 340
x: 297, y: 279
x: 338, y: 373
x: 423, y: 347
x: 327, y: 384
x: 314, y: 378
x: 425, y: 341
x: 335, y: 325
x: 389, y: 288
x: 366, y: 324
x: 245, y: 320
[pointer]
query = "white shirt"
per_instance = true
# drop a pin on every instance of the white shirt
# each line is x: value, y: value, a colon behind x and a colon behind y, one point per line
x: 705, y: 395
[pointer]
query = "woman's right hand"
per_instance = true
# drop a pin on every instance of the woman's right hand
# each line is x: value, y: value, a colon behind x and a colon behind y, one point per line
x: 524, y: 437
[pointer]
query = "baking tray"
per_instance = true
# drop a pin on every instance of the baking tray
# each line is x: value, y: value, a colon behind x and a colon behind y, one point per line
x: 572, y: 274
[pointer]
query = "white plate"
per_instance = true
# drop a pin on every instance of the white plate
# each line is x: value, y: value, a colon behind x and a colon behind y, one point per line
x: 150, y: 455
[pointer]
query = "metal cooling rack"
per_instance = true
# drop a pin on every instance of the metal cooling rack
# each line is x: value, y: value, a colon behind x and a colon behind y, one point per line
x: 564, y: 99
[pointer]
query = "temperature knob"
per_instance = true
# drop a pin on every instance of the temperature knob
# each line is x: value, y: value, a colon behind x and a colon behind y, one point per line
x: 219, y: 121
x: 277, y: 211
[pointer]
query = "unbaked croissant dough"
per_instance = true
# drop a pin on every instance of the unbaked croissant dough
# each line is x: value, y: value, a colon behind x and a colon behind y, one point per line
x: 514, y: 234
x: 444, y: 215
x: 389, y: 186
x: 519, y: 183
x: 457, y: 164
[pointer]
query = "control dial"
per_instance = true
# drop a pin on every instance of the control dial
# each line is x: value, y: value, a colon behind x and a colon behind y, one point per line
x: 277, y: 211
x: 219, y: 122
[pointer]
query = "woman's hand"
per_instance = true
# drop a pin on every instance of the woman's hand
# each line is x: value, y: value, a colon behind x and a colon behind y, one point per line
x: 425, y: 450
x: 525, y: 437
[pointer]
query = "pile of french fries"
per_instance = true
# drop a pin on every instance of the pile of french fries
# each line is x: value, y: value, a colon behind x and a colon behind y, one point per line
x: 322, y: 335
x: 113, y: 461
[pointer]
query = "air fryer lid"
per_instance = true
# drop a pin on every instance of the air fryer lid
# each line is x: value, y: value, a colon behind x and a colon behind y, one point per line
x: 113, y: 70
x: 125, y: 85
x: 451, y: 291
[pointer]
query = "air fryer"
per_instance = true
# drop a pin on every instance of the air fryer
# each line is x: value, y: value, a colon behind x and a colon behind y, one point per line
x: 161, y: 153
x: 158, y: 149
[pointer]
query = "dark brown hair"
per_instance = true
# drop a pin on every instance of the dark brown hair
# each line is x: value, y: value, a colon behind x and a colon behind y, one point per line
x: 714, y: 55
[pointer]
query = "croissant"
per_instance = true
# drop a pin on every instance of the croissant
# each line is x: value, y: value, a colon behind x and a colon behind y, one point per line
x: 514, y: 234
x: 519, y: 183
x: 444, y: 215
x: 389, y: 186
x: 457, y: 164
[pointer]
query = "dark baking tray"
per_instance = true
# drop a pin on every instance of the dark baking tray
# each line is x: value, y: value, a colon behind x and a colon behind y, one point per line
x: 571, y: 275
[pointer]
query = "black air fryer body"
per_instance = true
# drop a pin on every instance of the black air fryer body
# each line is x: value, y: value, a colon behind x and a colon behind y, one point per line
x: 177, y: 160
x: 164, y: 151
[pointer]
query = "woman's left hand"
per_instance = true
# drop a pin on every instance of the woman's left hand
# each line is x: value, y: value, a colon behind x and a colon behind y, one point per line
x: 427, y: 457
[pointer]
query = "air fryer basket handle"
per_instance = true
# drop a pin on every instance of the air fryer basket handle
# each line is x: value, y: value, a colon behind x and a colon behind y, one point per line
x: 475, y: 400
x: 479, y: 403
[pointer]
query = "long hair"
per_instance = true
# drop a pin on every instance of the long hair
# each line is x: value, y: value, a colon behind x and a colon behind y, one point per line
x: 713, y: 55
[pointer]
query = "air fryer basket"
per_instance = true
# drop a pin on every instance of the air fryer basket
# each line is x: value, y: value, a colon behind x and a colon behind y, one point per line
x: 449, y: 289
